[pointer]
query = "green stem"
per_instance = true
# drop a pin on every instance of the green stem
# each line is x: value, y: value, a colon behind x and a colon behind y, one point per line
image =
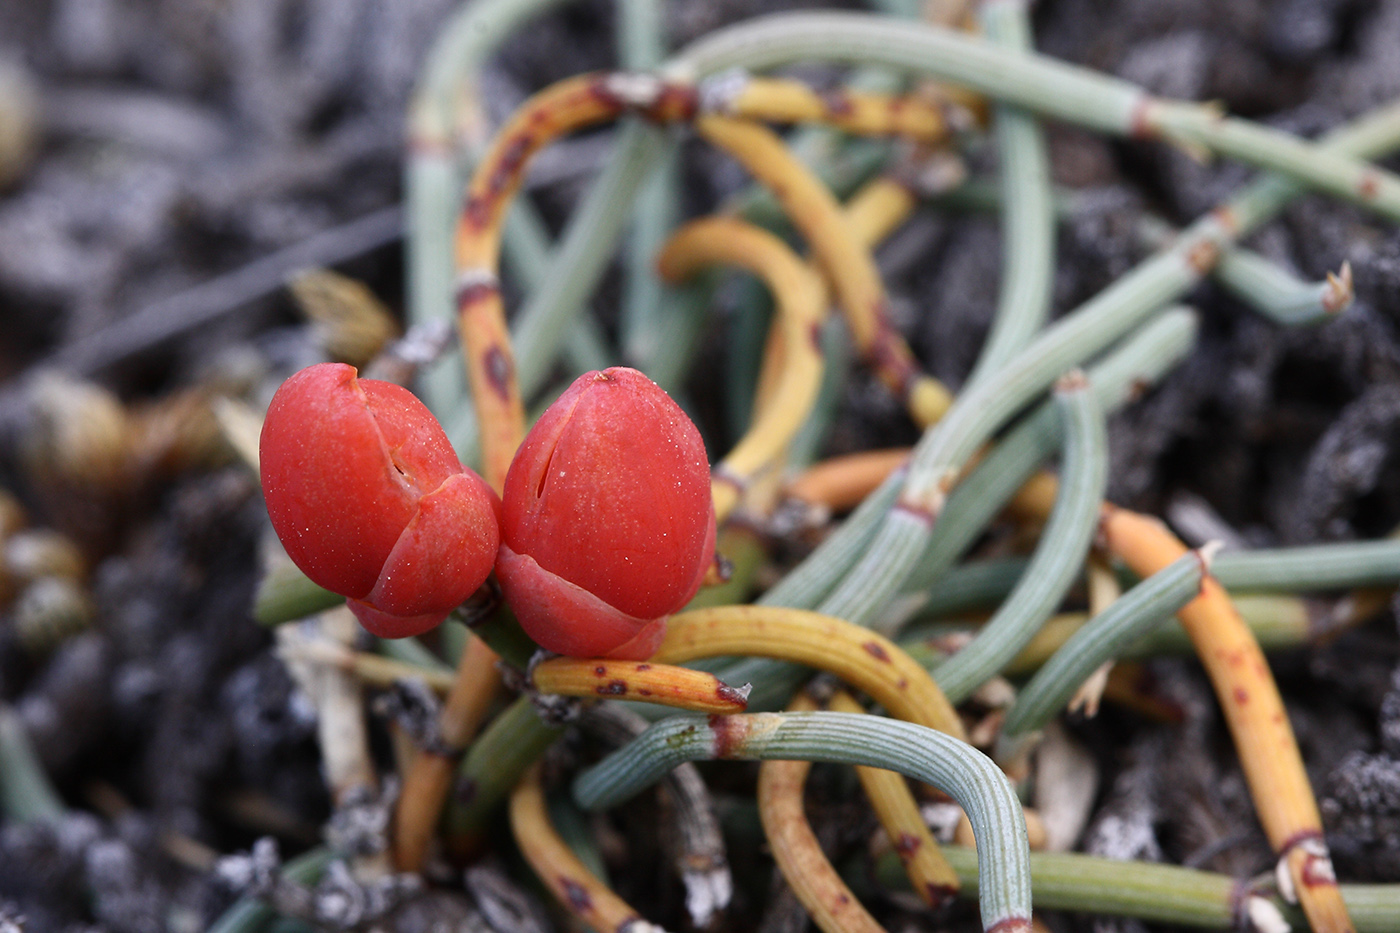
x: 1340, y: 566
x: 1040, y: 84
x: 25, y: 790
x: 493, y: 765
x: 965, y: 773
x: 1028, y: 210
x: 1153, y: 892
x: 1145, y: 606
x: 249, y: 914
x: 641, y: 30
x: 433, y: 180
x: 1058, y: 558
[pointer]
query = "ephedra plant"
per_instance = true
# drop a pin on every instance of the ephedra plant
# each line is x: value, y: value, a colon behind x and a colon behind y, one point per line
x: 610, y: 513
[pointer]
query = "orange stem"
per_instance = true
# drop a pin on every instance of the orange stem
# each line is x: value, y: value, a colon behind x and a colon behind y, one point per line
x: 663, y: 684
x: 1254, y: 711
x: 576, y: 888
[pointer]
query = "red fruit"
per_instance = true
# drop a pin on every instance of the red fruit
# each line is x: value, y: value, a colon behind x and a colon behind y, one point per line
x: 371, y: 502
x: 607, y: 525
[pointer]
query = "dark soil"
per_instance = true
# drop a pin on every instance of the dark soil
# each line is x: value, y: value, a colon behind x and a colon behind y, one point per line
x: 175, y: 142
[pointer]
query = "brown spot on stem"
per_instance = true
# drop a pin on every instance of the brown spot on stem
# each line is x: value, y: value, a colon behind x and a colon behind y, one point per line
x: 907, y: 846
x: 613, y: 688
x: 643, y: 667
x: 843, y: 899
x: 676, y: 102
x: 600, y: 671
x: 643, y: 692
x: 476, y: 213
x: 874, y: 649
x: 499, y: 371
x: 576, y: 894
x: 937, y: 895
x: 1369, y: 185
x: 1225, y: 216
x: 814, y: 335
x: 837, y: 104
x: 511, y: 162
x: 1241, y: 695
x: 1203, y: 256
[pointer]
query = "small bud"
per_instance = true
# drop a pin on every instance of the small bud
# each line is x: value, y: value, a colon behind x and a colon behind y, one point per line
x: 608, y: 525
x: 370, y: 501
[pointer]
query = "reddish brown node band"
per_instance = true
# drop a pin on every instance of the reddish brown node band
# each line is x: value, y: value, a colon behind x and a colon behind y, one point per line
x: 729, y: 733
x: 1140, y: 124
x: 1301, y: 837
x: 1010, y: 925
x: 476, y: 291
x: 837, y: 103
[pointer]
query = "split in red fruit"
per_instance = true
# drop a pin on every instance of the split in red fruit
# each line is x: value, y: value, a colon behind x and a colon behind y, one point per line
x: 607, y: 525
x: 371, y: 502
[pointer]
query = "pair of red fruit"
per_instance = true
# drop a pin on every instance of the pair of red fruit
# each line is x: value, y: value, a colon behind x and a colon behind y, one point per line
x: 605, y: 526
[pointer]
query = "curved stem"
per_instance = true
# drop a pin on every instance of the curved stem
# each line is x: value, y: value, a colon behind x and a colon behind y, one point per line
x: 1059, y: 556
x: 1046, y: 86
x: 965, y: 773
x: 1249, y: 698
x: 800, y: 301
x: 859, y: 657
x: 576, y: 888
x: 1102, y: 638
x: 1027, y: 208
